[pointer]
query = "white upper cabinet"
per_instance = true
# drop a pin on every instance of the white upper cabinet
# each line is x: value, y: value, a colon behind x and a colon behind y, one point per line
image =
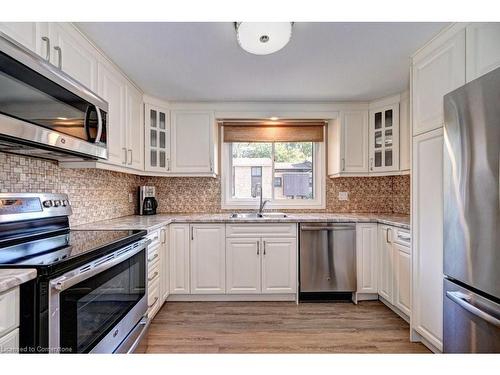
x: 208, y: 259
x: 279, y: 265
x: 366, y: 258
x: 436, y: 70
x: 243, y: 265
x: 483, y: 48
x: 384, y: 139
x: 404, y: 133
x: 29, y: 34
x: 157, y: 137
x: 111, y: 87
x: 348, y: 144
x: 134, y: 128
x: 193, y: 142
x: 73, y: 54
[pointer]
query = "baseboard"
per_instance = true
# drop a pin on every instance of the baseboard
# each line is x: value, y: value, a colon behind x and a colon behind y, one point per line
x: 395, y: 309
x: 230, y: 297
x: 417, y: 337
x: 365, y: 297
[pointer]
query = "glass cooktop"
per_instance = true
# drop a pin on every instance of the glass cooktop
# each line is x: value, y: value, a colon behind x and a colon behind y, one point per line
x: 65, y: 246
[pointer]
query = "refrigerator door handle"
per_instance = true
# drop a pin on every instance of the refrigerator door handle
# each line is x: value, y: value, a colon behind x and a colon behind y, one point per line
x: 463, y: 300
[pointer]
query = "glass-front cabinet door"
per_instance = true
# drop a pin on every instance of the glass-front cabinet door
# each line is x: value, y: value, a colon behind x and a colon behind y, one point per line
x: 384, y: 139
x: 157, y: 136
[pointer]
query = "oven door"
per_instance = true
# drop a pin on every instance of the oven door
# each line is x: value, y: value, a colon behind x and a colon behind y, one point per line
x: 95, y: 308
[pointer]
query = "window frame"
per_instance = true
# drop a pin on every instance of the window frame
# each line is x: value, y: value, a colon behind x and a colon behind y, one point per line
x: 319, y: 184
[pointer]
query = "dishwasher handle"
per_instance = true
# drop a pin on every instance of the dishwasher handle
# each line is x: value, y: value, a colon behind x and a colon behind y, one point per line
x: 331, y: 227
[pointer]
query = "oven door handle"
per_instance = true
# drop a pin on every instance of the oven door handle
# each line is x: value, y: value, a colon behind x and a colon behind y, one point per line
x: 97, y: 266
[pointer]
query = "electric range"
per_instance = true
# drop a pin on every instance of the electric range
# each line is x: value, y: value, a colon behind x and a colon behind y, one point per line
x: 90, y: 291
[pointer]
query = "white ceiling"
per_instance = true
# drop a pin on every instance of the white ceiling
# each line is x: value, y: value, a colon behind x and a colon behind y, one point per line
x: 323, y: 61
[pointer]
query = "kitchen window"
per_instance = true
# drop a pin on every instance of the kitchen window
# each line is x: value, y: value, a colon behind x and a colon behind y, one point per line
x: 290, y: 174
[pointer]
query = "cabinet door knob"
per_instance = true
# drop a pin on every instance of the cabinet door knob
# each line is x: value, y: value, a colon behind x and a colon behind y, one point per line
x: 130, y: 154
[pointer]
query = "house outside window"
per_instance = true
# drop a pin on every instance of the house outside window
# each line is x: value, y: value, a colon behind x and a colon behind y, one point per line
x: 291, y: 174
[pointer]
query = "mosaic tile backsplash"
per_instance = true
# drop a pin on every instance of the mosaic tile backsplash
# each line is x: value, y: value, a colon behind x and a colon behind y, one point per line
x: 366, y: 194
x: 94, y: 194
x: 98, y: 195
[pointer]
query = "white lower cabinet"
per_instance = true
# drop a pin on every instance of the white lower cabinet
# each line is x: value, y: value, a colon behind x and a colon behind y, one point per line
x: 385, y: 267
x: 366, y: 258
x: 261, y: 265
x: 164, y: 270
x: 208, y: 259
x: 402, y: 274
x: 427, y: 245
x: 394, y: 268
x: 243, y: 266
x: 9, y: 320
x: 279, y: 265
x: 179, y: 259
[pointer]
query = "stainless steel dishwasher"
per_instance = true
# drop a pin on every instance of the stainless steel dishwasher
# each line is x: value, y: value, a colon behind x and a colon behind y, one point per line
x: 327, y: 259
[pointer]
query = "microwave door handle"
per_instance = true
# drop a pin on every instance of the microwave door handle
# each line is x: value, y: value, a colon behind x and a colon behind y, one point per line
x: 99, y: 125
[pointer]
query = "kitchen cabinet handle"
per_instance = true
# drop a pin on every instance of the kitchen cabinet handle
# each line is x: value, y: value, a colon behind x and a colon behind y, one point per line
x: 125, y: 154
x: 258, y: 247
x: 153, y: 258
x: 59, y: 56
x: 154, y: 303
x: 343, y: 164
x: 192, y: 233
x: 168, y: 164
x: 163, y: 236
x: 371, y: 164
x: 387, y: 235
x: 264, y: 247
x: 130, y: 154
x: 47, y: 41
x: 153, y: 277
x: 403, y: 237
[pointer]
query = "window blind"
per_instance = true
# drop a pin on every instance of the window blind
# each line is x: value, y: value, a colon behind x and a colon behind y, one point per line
x: 265, y: 132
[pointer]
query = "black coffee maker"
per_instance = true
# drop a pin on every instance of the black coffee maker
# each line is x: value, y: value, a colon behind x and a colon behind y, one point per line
x: 147, y: 200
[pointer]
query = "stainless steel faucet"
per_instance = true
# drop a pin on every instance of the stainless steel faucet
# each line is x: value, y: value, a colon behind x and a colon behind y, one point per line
x: 258, y: 187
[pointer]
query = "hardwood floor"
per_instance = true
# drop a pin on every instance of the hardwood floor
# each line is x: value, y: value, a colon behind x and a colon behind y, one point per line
x: 278, y: 327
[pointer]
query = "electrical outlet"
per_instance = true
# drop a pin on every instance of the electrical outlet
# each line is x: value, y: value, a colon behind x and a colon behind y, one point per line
x: 130, y: 198
x: 343, y: 196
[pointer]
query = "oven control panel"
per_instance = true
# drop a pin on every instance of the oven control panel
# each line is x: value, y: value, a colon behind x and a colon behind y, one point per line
x: 28, y: 206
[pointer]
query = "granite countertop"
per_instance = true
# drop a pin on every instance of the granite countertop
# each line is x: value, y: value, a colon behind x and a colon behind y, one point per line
x: 12, y: 277
x: 156, y: 221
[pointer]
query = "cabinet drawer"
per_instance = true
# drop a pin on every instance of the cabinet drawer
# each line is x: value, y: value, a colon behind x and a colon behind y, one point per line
x: 153, y: 272
x: 153, y: 254
x: 9, y: 310
x: 153, y: 297
x: 259, y: 230
x: 10, y: 342
x: 154, y: 237
x: 402, y: 237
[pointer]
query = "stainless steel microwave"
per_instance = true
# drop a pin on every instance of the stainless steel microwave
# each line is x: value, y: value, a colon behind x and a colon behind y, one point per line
x: 46, y: 113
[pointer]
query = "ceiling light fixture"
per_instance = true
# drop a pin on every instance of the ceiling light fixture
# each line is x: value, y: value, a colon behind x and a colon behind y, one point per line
x: 263, y: 38
x: 274, y: 118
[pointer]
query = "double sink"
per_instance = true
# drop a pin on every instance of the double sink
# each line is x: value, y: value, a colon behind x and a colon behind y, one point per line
x: 258, y: 215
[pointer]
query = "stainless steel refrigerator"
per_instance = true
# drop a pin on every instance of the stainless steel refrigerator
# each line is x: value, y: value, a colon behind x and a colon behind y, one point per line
x: 472, y: 217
